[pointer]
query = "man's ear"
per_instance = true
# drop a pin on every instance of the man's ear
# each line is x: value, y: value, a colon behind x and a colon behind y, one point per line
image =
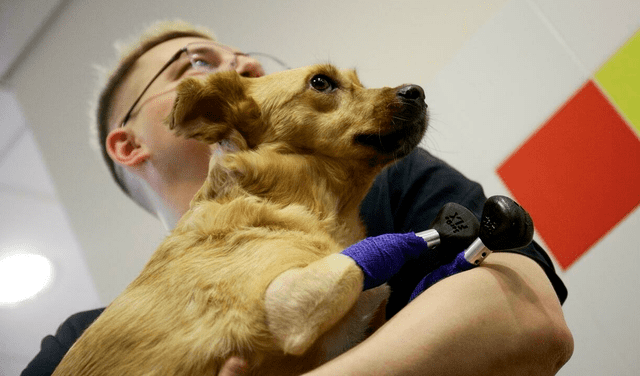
x: 208, y: 110
x: 123, y: 149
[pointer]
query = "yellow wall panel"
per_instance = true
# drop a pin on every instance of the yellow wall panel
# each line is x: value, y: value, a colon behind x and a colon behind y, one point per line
x: 620, y: 79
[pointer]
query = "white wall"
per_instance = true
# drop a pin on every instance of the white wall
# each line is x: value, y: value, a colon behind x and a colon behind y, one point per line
x: 444, y: 46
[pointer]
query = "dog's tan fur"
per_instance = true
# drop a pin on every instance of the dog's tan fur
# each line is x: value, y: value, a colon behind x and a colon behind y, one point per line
x: 253, y: 268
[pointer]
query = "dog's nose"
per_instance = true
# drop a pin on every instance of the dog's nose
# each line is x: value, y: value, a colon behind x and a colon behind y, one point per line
x: 411, y: 92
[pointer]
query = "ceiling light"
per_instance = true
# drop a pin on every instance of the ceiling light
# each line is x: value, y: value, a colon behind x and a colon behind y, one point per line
x: 23, y: 276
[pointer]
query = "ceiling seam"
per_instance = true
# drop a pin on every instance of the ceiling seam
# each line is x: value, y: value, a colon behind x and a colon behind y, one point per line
x: 15, y: 138
x: 32, y: 43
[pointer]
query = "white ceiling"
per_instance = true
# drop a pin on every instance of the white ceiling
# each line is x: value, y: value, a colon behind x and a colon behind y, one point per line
x: 20, y: 24
x: 31, y: 216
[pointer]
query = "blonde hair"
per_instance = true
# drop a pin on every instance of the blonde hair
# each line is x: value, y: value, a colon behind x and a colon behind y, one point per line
x: 112, y: 79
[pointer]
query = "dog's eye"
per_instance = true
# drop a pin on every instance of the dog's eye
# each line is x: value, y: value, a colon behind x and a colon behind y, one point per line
x: 322, y: 83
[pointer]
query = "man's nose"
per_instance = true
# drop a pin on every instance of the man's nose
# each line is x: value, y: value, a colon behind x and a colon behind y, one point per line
x: 245, y: 65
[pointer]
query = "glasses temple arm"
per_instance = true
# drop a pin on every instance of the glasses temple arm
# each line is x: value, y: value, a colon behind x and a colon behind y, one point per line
x: 175, y: 57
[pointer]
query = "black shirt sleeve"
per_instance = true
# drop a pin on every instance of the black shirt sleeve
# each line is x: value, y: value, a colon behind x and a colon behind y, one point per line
x: 407, y: 196
x: 53, y: 348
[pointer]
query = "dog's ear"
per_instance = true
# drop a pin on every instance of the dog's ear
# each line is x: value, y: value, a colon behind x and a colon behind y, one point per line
x: 209, y: 109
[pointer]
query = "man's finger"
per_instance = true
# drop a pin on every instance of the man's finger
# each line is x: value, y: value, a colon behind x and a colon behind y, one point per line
x: 234, y: 366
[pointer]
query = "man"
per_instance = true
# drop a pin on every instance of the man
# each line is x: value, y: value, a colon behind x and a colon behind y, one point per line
x: 502, y: 318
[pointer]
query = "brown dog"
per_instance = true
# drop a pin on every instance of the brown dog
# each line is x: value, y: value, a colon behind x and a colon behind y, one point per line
x: 253, y: 268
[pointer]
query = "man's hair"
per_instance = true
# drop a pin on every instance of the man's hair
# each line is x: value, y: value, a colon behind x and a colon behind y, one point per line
x: 128, y: 55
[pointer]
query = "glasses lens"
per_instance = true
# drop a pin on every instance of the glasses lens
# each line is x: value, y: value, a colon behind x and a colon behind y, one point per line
x: 206, y: 56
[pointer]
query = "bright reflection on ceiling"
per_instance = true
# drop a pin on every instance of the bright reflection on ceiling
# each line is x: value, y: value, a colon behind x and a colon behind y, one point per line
x: 23, y: 276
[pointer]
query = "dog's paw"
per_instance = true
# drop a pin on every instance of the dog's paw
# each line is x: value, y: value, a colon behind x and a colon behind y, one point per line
x: 304, y: 303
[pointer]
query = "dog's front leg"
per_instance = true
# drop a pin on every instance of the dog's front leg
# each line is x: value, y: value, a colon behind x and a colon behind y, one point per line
x: 303, y: 303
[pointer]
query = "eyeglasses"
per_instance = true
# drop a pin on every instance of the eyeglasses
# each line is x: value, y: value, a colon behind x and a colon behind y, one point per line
x: 208, y: 57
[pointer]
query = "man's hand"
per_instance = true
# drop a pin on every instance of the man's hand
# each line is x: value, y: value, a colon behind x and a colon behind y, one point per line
x: 234, y: 366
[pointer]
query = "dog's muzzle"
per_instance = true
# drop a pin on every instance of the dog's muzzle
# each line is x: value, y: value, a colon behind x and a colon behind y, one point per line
x: 409, y: 123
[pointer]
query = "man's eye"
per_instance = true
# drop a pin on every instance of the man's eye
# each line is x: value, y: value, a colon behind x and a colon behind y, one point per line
x: 202, y: 64
x: 322, y: 83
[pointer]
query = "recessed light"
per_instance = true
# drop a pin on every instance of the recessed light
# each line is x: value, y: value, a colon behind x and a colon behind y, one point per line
x: 23, y: 276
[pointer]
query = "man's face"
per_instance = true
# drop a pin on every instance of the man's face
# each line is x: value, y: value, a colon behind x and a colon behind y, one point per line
x: 174, y: 157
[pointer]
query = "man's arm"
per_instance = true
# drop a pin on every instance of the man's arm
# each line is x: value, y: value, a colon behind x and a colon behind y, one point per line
x: 502, y: 318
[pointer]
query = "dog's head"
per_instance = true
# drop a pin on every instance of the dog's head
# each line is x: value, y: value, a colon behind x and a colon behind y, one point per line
x: 313, y: 110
